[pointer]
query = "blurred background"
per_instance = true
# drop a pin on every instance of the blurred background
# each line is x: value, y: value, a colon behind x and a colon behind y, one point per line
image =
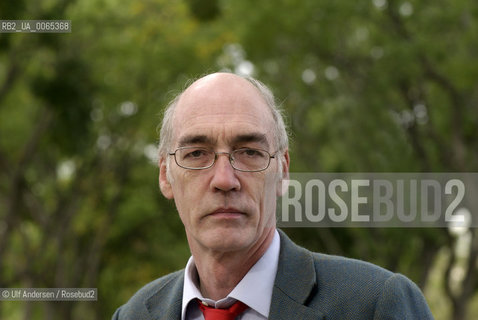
x: 371, y: 86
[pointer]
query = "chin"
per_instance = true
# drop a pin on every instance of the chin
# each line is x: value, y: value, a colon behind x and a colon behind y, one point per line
x: 228, y: 241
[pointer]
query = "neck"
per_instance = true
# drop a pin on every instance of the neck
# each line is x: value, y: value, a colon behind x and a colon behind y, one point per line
x: 220, y: 272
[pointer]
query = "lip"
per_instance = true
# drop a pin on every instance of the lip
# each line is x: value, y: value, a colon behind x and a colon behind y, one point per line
x: 227, y: 213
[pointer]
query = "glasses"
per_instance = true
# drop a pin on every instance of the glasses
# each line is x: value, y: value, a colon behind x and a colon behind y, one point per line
x: 243, y: 159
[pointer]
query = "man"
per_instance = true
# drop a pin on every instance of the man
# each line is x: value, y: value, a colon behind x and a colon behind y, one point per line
x: 223, y: 154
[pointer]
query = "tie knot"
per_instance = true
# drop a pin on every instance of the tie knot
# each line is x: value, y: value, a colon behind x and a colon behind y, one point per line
x: 222, y: 314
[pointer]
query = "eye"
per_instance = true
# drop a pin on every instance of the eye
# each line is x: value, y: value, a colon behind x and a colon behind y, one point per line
x: 195, y: 153
x: 251, y: 153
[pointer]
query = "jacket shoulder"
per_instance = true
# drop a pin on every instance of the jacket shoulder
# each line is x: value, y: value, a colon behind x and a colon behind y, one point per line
x: 345, y: 288
x: 337, y: 269
x: 376, y: 291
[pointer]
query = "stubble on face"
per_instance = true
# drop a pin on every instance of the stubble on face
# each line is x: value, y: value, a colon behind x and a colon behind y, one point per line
x: 221, y: 208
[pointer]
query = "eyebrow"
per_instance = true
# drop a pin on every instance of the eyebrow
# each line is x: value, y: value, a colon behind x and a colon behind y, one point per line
x: 251, y: 137
x: 241, y: 138
x: 194, y: 139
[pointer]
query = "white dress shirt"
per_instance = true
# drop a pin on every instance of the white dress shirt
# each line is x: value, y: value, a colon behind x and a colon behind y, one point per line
x: 255, y: 289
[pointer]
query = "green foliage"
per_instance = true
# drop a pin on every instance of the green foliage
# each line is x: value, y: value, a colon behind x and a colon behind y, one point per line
x: 374, y: 86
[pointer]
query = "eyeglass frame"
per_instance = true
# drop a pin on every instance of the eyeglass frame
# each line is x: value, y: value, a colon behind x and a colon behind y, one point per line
x: 230, y: 157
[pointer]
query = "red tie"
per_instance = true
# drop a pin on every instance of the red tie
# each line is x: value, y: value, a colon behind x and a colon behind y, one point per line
x: 222, y: 314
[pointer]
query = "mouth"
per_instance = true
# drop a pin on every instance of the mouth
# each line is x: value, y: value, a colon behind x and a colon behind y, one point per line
x: 227, y: 213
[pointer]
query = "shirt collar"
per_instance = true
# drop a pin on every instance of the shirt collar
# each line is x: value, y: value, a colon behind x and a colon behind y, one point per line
x: 255, y: 289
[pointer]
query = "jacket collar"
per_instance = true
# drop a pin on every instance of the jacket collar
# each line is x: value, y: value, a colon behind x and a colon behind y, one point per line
x: 294, y: 284
x: 166, y: 302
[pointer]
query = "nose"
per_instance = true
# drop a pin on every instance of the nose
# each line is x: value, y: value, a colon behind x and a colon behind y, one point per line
x: 224, y: 175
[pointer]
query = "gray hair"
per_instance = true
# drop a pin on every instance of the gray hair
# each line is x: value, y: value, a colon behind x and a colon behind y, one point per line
x: 281, y: 136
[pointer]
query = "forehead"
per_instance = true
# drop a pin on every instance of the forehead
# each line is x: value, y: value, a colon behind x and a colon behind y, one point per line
x: 222, y: 107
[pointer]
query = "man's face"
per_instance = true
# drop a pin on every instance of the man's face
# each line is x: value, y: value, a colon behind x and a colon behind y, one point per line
x: 221, y: 208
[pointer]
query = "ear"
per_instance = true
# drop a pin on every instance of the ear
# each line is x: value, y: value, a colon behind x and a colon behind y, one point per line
x: 282, y: 185
x: 164, y: 183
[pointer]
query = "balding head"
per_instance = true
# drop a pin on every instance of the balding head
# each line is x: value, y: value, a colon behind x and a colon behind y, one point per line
x: 222, y: 90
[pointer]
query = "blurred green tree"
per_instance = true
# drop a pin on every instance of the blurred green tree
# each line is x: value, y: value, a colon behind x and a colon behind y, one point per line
x: 382, y: 86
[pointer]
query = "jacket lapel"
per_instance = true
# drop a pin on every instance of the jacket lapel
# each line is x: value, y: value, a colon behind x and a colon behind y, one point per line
x: 166, y: 303
x: 295, y: 282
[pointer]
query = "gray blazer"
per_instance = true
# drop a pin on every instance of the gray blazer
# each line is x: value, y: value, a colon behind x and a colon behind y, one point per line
x: 307, y: 286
